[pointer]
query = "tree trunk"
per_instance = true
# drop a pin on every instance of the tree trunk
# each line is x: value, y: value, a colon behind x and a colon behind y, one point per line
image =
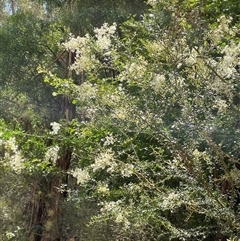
x: 46, y: 209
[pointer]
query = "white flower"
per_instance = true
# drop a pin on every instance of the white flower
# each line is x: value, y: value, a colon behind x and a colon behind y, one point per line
x: 52, y: 153
x: 158, y: 82
x: 85, y: 92
x: 137, y: 70
x: 55, y: 128
x: 221, y: 105
x: 226, y: 67
x: 76, y: 43
x: 12, y: 155
x: 111, y: 206
x: 11, y: 144
x: 104, y: 34
x: 81, y: 175
x: 102, y: 188
x: 197, y: 154
x: 89, y: 112
x: 152, y: 2
x: 109, y: 140
x: 201, y: 155
x: 171, y: 200
x: 83, y: 62
x: 104, y: 160
x: 17, y: 162
x: 81, y: 46
x: 192, y: 58
x: 155, y: 48
x: 103, y: 42
x: 115, y: 209
x: 127, y: 171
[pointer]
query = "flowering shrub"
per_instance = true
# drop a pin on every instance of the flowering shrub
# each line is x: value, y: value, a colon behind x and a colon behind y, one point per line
x: 169, y: 111
x: 156, y: 130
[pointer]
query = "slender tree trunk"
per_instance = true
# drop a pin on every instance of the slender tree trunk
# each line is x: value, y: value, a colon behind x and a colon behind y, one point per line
x: 13, y: 6
x: 46, y: 206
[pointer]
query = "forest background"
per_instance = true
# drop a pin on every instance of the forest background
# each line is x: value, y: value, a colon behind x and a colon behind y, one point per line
x: 120, y: 120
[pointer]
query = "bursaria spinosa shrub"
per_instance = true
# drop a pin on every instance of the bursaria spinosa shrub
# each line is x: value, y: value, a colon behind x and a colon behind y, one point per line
x: 161, y: 133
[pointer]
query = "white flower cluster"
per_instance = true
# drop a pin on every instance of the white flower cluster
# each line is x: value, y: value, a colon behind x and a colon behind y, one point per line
x: 85, y: 92
x: 111, y: 99
x: 221, y: 105
x: 218, y: 33
x: 152, y: 2
x: 105, y: 160
x: 158, y: 82
x: 220, y: 87
x: 81, y: 175
x: 201, y: 156
x: 111, y: 206
x: 102, y: 188
x: 89, y: 112
x: 120, y: 113
x: 81, y: 46
x: 55, y: 128
x: 121, y: 218
x: 109, y: 140
x: 13, y: 155
x: 85, y: 59
x: 114, y: 208
x: 134, y: 71
x: 11, y: 145
x: 192, y: 58
x: 171, y: 201
x: 17, y: 162
x: 52, y: 154
x: 104, y: 35
x: 120, y: 103
x: 226, y: 67
x: 127, y: 170
x: 75, y: 44
x: 155, y: 48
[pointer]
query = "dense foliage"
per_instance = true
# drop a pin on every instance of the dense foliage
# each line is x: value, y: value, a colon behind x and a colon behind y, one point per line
x: 121, y: 126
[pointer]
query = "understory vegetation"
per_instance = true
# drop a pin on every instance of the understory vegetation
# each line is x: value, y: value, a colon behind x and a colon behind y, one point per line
x: 120, y: 120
